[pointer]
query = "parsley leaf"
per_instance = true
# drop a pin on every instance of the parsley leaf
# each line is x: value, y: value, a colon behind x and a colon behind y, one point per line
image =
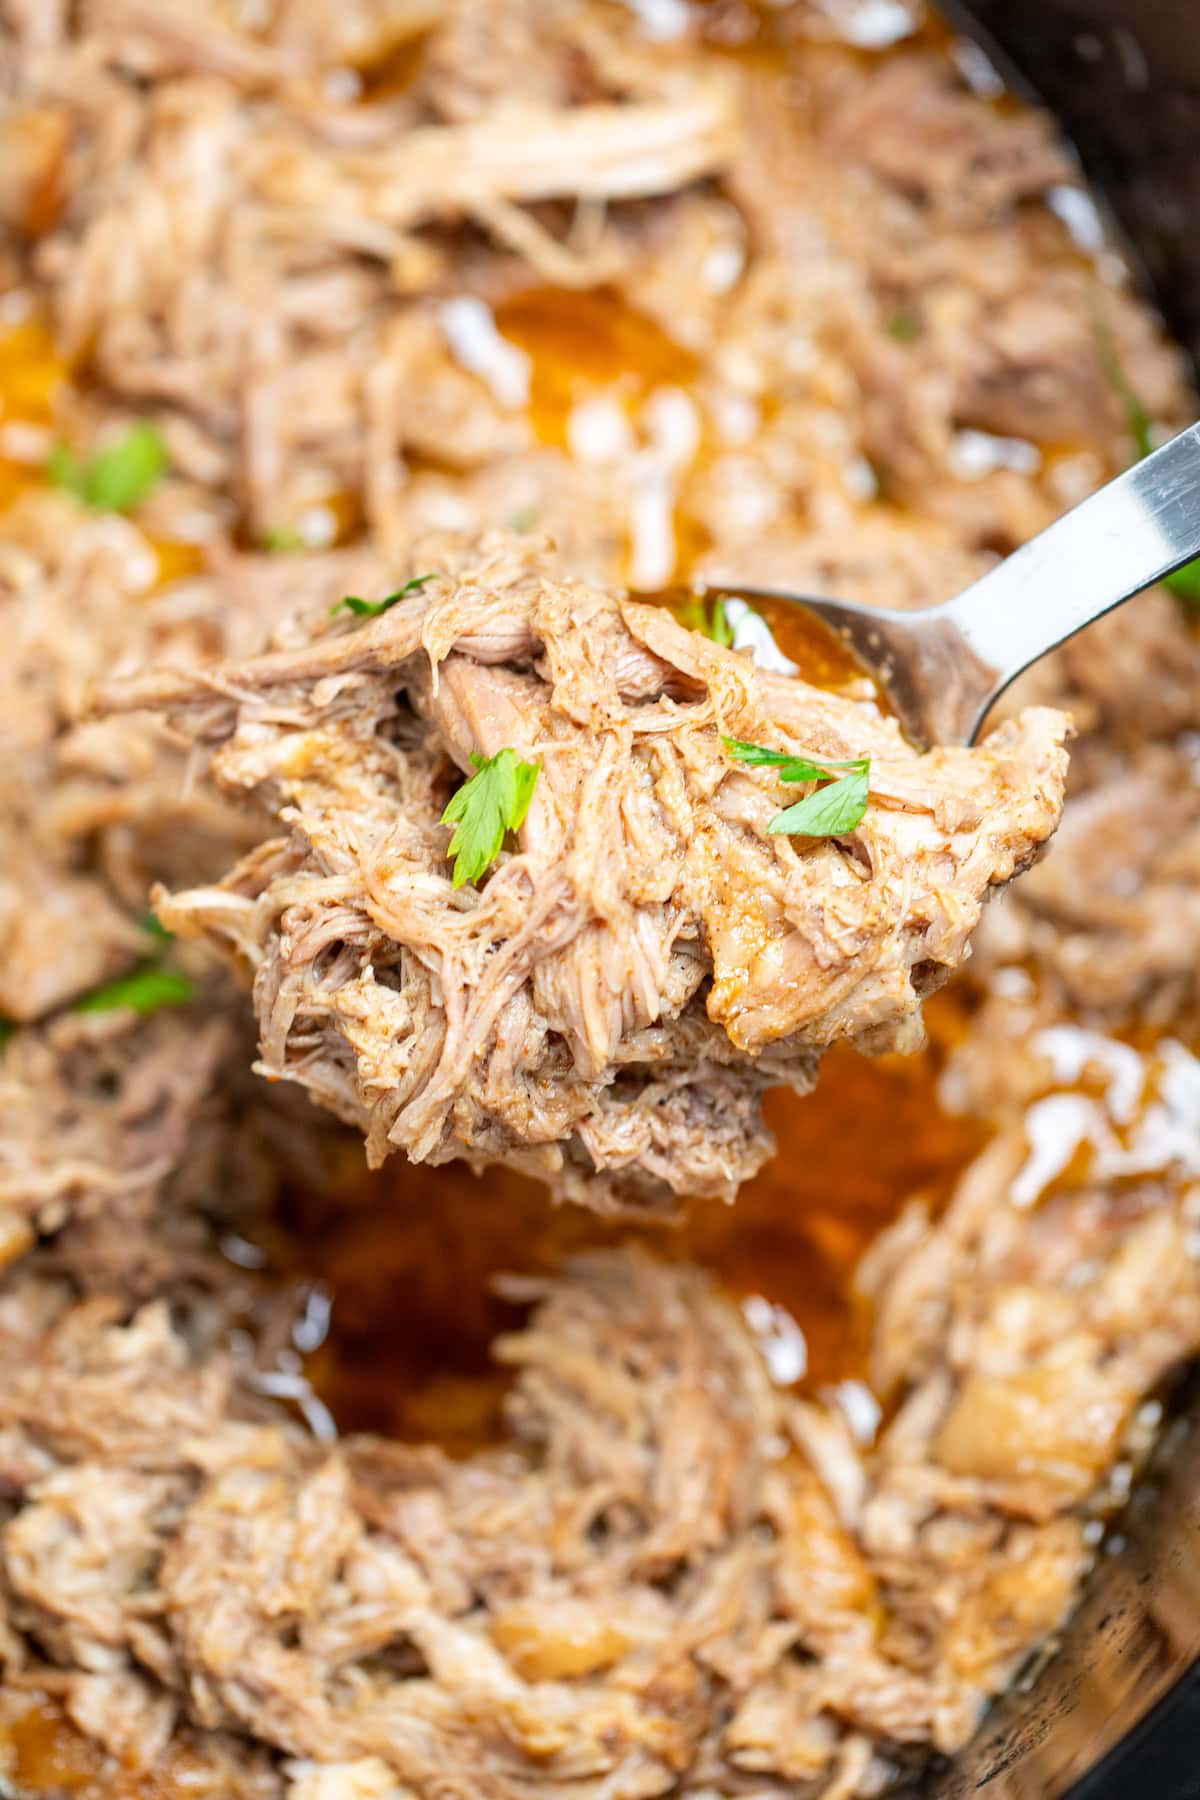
x: 153, y: 926
x: 1184, y: 582
x: 710, y: 620
x: 281, y: 540
x: 118, y: 476
x: 790, y: 766
x: 492, y: 802
x: 1137, y: 419
x: 144, y: 991
x: 6, y: 1030
x: 828, y: 812
x: 371, y: 609
x: 905, y: 327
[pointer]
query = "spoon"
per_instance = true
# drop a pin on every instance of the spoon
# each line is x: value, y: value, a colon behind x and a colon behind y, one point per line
x: 944, y: 667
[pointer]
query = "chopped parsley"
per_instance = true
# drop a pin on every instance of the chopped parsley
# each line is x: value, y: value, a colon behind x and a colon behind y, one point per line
x: 828, y: 811
x: 371, y: 609
x: 145, y: 991
x: 904, y: 326
x: 709, y: 618
x: 118, y: 476
x: 1185, y: 582
x: 282, y: 540
x: 1137, y: 419
x: 153, y: 926
x: 493, y: 802
x: 6, y: 1030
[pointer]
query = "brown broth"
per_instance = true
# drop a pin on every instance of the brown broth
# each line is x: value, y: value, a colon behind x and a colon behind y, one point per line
x: 41, y: 1753
x: 583, y: 343
x: 410, y: 1256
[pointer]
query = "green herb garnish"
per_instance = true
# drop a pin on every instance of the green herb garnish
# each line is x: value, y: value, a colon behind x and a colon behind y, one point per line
x: 144, y: 991
x: 1137, y: 419
x: 830, y: 810
x: 118, y: 476
x: 905, y: 327
x: 710, y: 619
x: 153, y: 926
x: 6, y: 1030
x: 282, y: 540
x: 371, y: 609
x: 1185, y: 582
x: 491, y: 803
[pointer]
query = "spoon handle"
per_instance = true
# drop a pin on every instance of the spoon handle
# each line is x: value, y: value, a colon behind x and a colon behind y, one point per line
x: 1128, y: 535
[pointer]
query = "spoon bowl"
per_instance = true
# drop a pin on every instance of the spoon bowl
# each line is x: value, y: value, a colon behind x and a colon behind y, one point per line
x: 944, y: 667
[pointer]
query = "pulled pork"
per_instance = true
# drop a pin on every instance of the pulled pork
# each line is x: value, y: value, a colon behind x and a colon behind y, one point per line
x: 394, y: 270
x: 676, y: 1578
x: 607, y: 1009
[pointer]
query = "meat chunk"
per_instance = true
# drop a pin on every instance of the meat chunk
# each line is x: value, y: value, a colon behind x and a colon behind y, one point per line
x: 651, y: 1591
x: 102, y: 1118
x: 922, y: 133
x: 1116, y: 923
x: 606, y: 1009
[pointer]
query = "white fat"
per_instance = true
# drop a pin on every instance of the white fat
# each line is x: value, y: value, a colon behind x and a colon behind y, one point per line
x: 241, y: 1252
x: 661, y: 20
x: 974, y: 454
x: 651, y: 524
x: 137, y: 559
x: 1154, y: 1102
x: 342, y: 87
x: 751, y: 632
x: 1081, y: 216
x: 1168, y: 1134
x: 16, y: 307
x: 1070, y: 1051
x: 598, y: 431
x: 23, y: 442
x: 1055, y: 1128
x: 779, y: 1338
x: 1013, y: 984
x: 859, y: 1407
x: 287, y: 1384
x: 312, y: 1327
x: 862, y: 483
x: 470, y: 330
x: 368, y: 1779
x: 317, y: 527
x: 872, y: 24
x: 672, y: 422
x: 450, y: 511
x: 736, y: 417
x: 722, y: 267
x: 196, y: 525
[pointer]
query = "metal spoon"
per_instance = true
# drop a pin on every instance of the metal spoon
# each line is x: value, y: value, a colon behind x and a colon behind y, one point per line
x: 944, y: 667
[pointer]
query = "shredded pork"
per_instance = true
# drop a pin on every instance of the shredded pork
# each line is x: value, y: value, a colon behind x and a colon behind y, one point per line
x: 413, y: 287
x: 607, y: 1008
